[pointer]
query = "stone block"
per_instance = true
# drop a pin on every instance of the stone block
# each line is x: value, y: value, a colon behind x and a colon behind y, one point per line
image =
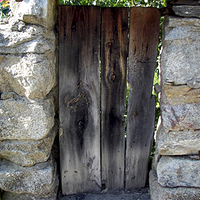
x: 178, y: 143
x: 15, y: 196
x: 194, y: 83
x: 164, y: 193
x: 21, y: 119
x: 30, y: 75
x: 28, y: 152
x: 187, y: 11
x: 40, y: 179
x: 40, y: 12
x: 178, y: 172
x: 182, y: 94
x: 180, y: 56
x: 180, y: 117
x: 18, y: 38
x: 184, y: 2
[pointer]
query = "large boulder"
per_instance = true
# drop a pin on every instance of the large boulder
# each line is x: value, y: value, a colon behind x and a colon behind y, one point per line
x: 180, y: 56
x: 28, y: 152
x: 30, y: 75
x: 40, y: 179
x: 22, y: 119
x: 42, y: 12
x: 178, y: 172
x: 14, y: 196
x: 178, y: 143
x: 181, y: 117
x: 18, y: 38
x: 165, y: 193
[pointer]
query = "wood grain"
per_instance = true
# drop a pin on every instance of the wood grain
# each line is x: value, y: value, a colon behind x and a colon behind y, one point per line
x: 79, y: 99
x: 144, y: 31
x: 113, y: 95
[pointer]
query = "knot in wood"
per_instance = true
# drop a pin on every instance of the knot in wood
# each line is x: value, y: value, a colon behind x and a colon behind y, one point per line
x: 135, y: 114
x: 113, y: 77
x: 109, y: 44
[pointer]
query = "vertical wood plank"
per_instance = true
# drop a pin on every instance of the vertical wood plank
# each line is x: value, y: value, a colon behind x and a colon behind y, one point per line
x: 79, y: 98
x: 144, y: 31
x: 113, y: 95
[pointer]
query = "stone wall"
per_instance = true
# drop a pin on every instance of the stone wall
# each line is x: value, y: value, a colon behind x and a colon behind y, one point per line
x: 176, y: 168
x: 28, y: 96
x: 28, y: 79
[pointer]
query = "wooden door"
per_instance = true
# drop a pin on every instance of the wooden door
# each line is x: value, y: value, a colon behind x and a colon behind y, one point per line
x: 95, y: 45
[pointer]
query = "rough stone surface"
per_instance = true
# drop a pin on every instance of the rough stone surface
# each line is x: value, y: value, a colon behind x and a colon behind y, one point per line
x: 183, y: 94
x: 181, y: 117
x: 7, y: 95
x: 21, y: 119
x: 194, y: 83
x: 40, y: 179
x: 178, y: 172
x: 158, y: 192
x: 184, y: 2
x: 17, y: 37
x: 40, y: 12
x: 28, y: 153
x: 180, y: 56
x: 14, y: 196
x: 30, y: 75
x: 178, y: 143
x: 187, y: 11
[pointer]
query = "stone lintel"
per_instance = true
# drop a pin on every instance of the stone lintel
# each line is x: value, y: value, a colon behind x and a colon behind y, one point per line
x: 187, y: 11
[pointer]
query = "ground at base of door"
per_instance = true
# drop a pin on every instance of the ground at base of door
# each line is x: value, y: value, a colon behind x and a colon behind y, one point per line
x: 142, y: 194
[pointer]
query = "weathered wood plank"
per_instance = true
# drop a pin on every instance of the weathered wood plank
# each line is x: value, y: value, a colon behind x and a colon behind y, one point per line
x: 79, y: 99
x: 144, y: 31
x: 113, y: 95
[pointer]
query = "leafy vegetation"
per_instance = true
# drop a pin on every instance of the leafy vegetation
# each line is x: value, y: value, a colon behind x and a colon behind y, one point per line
x: 116, y: 3
x: 4, y: 8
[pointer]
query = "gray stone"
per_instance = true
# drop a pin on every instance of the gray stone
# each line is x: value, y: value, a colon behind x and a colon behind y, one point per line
x: 178, y: 172
x: 30, y: 75
x: 40, y: 179
x: 176, y: 28
x: 164, y: 193
x: 180, y: 56
x: 40, y: 12
x: 22, y: 119
x: 28, y: 153
x: 194, y: 83
x: 187, y: 11
x: 178, y: 143
x: 14, y: 196
x: 25, y: 39
x: 184, y: 2
x: 181, y: 117
x: 7, y: 95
